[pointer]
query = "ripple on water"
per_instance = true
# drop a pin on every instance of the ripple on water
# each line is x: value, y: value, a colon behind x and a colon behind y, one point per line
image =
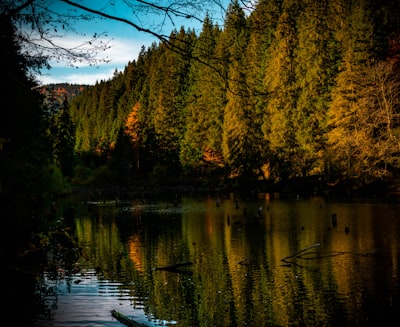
x: 84, y: 300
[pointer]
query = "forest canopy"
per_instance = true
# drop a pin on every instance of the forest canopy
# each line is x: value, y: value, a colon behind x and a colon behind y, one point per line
x: 290, y: 89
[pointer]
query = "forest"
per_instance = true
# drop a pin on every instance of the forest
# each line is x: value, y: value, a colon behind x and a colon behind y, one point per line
x: 289, y: 95
x: 291, y: 91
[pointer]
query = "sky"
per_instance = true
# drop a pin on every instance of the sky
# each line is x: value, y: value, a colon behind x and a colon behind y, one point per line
x: 124, y: 41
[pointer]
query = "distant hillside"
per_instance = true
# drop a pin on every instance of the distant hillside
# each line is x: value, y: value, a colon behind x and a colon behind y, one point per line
x: 55, y: 94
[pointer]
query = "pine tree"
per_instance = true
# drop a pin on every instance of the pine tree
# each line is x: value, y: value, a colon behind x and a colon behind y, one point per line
x: 237, y: 110
x: 262, y: 24
x: 279, y: 82
x: 314, y: 57
x: 166, y: 116
x: 241, y: 135
x: 202, y: 140
x: 63, y: 136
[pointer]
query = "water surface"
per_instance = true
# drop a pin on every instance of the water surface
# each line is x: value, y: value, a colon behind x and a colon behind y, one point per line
x: 251, y: 261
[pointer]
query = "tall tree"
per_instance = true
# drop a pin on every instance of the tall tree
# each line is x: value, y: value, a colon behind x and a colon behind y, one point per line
x: 348, y: 135
x: 169, y: 112
x: 315, y: 58
x: 262, y: 25
x: 63, y: 139
x: 202, y: 141
x: 365, y: 136
x: 279, y: 82
x: 241, y: 147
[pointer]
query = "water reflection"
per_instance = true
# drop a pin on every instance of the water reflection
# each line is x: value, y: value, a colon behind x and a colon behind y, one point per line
x: 85, y: 300
x: 344, y: 273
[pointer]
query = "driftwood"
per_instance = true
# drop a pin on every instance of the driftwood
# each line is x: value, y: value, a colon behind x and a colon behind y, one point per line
x: 302, y: 254
x: 298, y: 254
x: 125, y: 320
x: 175, y: 267
x: 319, y: 255
x: 301, y: 251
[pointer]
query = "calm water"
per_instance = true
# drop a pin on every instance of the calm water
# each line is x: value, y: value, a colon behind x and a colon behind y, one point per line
x: 266, y: 261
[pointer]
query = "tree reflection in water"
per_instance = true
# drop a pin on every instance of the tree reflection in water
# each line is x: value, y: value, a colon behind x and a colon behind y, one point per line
x: 289, y: 266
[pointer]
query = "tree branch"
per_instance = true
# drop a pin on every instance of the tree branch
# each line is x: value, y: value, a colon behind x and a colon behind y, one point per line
x: 161, y: 37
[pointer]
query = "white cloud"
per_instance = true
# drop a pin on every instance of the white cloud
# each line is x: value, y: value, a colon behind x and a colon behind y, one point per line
x: 121, y: 51
x: 80, y: 76
x: 124, y: 50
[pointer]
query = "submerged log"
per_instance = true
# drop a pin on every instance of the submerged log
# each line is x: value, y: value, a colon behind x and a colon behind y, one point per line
x: 175, y: 267
x: 125, y: 320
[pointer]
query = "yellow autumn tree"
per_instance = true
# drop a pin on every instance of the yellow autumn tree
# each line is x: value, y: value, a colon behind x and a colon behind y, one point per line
x: 132, y: 129
x: 132, y: 123
x: 364, y: 139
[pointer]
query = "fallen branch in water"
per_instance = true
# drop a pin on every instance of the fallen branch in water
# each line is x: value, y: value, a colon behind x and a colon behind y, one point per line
x: 125, y: 320
x: 319, y: 255
x: 301, y: 251
x: 302, y: 254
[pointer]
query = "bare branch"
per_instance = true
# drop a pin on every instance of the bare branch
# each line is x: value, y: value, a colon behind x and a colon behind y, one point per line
x: 44, y: 27
x: 162, y: 38
x: 13, y: 11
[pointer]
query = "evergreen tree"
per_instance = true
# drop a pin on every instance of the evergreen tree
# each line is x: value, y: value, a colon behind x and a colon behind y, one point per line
x: 279, y: 82
x: 241, y: 144
x: 347, y: 135
x: 314, y: 59
x: 63, y: 139
x: 170, y: 103
x: 262, y: 25
x: 83, y: 110
x: 202, y: 141
x: 122, y: 160
x: 150, y: 84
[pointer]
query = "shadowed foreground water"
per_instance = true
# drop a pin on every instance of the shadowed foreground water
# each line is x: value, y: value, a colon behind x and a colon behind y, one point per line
x: 265, y: 261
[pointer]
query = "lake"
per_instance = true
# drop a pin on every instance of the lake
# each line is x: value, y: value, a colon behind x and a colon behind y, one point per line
x: 226, y: 260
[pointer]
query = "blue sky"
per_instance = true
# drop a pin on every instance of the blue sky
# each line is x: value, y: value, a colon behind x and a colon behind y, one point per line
x: 124, y: 40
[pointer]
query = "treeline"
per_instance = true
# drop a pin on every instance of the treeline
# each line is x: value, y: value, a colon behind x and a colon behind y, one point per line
x: 56, y: 94
x: 293, y: 89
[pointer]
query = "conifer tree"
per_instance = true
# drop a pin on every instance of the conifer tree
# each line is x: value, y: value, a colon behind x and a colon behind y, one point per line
x: 279, y: 82
x: 347, y: 136
x: 314, y: 59
x: 262, y: 24
x: 150, y: 81
x: 241, y: 146
x: 169, y: 95
x: 83, y: 110
x: 168, y: 115
x: 63, y: 139
x: 202, y: 140
x: 126, y: 155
